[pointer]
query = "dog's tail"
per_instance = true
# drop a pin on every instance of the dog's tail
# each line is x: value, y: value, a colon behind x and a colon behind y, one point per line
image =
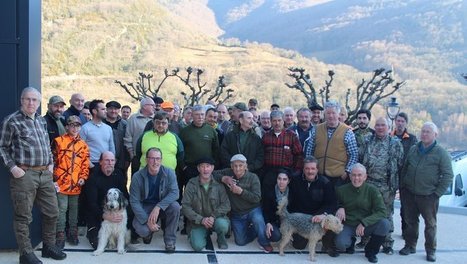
x: 282, y: 208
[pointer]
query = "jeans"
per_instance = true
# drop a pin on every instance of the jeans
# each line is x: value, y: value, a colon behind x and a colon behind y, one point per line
x: 414, y: 206
x: 35, y: 187
x: 344, y: 239
x: 169, y: 222
x: 198, y: 234
x: 67, y: 203
x: 247, y: 227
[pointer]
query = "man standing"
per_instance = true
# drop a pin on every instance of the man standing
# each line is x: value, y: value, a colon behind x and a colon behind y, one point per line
x: 126, y: 112
x: 222, y: 121
x: 383, y: 158
x: 205, y: 204
x: 333, y: 144
x: 54, y: 118
x: 244, y: 193
x: 265, y: 122
x: 362, y: 210
x: 315, y: 114
x: 243, y: 140
x: 407, y: 139
x: 289, y: 117
x: 25, y: 151
x: 211, y: 119
x: 303, y: 128
x: 76, y: 105
x: 118, y: 125
x: 426, y: 175
x: 153, y: 196
x: 135, y: 129
x: 282, y: 149
x: 363, y: 130
x: 237, y: 108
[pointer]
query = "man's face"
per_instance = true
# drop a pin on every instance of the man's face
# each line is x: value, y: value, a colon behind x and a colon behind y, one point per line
x: 255, y: 115
x: 222, y: 110
x: 77, y: 100
x: 56, y: 110
x: 99, y: 111
x: 265, y: 121
x: 304, y: 119
x: 362, y: 121
x: 86, y: 114
x: 170, y: 112
x: 246, y: 121
x: 401, y: 124
x: 30, y: 102
x: 381, y: 128
x: 187, y: 115
x: 239, y: 168
x: 310, y: 170
x: 107, y: 163
x: 73, y: 129
x: 126, y: 112
x: 235, y: 113
x: 289, y: 117
x: 198, y: 118
x: 277, y: 124
x: 427, y: 135
x: 205, y: 171
x: 282, y: 181
x: 154, y: 161
x: 161, y: 126
x: 211, y: 118
x: 149, y: 108
x: 112, y: 113
x: 342, y: 116
x: 332, y: 117
x: 316, y: 116
x: 357, y: 177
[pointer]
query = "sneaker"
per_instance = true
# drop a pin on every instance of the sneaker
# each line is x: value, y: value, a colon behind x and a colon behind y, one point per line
x: 169, y: 248
x: 52, y: 251
x: 266, y: 249
x: 388, y: 250
x: 406, y: 250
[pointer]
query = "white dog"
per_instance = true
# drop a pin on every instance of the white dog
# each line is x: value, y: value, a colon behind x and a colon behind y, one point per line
x: 114, y: 203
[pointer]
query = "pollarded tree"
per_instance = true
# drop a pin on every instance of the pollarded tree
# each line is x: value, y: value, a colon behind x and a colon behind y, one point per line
x: 368, y: 92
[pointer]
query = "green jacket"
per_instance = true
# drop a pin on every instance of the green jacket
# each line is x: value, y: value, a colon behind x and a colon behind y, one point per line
x: 198, y: 203
x: 199, y: 142
x: 362, y: 205
x: 250, y: 197
x: 427, y: 173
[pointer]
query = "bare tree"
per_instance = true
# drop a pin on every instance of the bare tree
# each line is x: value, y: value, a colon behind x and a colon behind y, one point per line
x: 143, y: 88
x: 368, y: 92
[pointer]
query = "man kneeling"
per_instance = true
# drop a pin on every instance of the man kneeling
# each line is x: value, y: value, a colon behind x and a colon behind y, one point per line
x: 205, y: 204
x: 362, y: 211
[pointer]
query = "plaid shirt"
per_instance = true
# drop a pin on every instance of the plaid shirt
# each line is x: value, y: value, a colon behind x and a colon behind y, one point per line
x: 283, y: 150
x: 25, y: 141
x: 349, y: 141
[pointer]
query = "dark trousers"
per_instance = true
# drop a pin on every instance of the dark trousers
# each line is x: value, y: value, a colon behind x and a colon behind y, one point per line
x: 414, y: 206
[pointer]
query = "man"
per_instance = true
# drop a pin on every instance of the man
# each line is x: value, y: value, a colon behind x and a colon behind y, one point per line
x: 289, y: 117
x: 25, y: 151
x: 274, y: 107
x: 236, y: 110
x: 426, y: 175
x: 118, y: 126
x: 160, y: 137
x: 312, y: 194
x: 282, y: 149
x: 135, y: 129
x: 100, y: 181
x: 363, y: 130
x: 96, y: 133
x: 383, y: 157
x: 362, y: 210
x: 186, y: 117
x: 153, y: 196
x: 333, y: 144
x: 223, y: 123
x: 303, y: 128
x: 315, y: 109
x: 244, y: 193
x: 54, y: 118
x: 126, y: 112
x: 253, y: 103
x: 265, y: 122
x: 243, y: 140
x: 199, y: 140
x: 205, y: 204
x: 158, y: 103
x: 255, y: 114
x: 211, y: 119
x: 86, y: 113
x: 169, y: 108
x: 76, y: 105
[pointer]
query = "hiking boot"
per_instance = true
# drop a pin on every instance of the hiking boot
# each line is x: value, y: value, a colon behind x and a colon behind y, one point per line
x: 388, y: 250
x: 406, y: 250
x: 60, y: 239
x: 430, y: 256
x: 29, y: 258
x: 222, y: 242
x: 169, y: 248
x: 72, y: 236
x: 147, y: 239
x: 52, y: 251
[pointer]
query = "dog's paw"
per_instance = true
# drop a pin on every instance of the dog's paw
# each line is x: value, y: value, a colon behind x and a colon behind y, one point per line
x: 121, y: 251
x: 97, y: 252
x: 281, y: 254
x: 313, y: 259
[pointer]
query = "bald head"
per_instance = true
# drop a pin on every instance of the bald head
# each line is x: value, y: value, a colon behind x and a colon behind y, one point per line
x: 77, y: 100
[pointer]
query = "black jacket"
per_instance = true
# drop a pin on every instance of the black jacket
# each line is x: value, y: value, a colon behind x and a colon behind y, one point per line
x: 52, y: 127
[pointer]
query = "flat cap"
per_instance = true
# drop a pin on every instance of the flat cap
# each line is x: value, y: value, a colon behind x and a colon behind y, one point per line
x: 238, y: 157
x: 240, y: 106
x: 207, y: 160
x: 56, y: 99
x: 113, y: 104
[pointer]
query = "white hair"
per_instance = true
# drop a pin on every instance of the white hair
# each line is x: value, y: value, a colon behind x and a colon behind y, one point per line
x: 432, y: 126
x: 146, y: 100
x: 333, y: 104
x: 359, y: 166
x: 31, y: 89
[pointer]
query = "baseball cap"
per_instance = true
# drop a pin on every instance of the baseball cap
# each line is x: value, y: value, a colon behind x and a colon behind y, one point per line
x: 238, y: 157
x: 56, y: 99
x: 113, y: 104
x: 167, y: 105
x: 73, y: 120
x: 240, y: 106
x: 158, y: 100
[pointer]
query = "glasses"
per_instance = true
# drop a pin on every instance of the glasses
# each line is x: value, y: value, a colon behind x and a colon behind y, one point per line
x: 30, y: 99
x: 163, y: 123
x: 154, y: 158
x: 74, y: 125
x: 153, y: 105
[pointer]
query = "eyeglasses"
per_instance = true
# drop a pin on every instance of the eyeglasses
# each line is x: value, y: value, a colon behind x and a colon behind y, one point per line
x: 154, y: 158
x: 161, y: 123
x: 74, y: 125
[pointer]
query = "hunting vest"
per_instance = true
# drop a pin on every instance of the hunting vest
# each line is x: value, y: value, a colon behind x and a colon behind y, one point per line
x: 331, y: 152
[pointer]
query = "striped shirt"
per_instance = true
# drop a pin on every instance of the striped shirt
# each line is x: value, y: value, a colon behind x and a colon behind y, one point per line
x: 24, y: 141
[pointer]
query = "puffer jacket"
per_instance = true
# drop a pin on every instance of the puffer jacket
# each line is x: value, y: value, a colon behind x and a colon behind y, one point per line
x: 71, y: 163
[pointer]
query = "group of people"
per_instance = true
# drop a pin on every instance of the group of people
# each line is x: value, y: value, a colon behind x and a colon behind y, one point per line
x: 225, y: 169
